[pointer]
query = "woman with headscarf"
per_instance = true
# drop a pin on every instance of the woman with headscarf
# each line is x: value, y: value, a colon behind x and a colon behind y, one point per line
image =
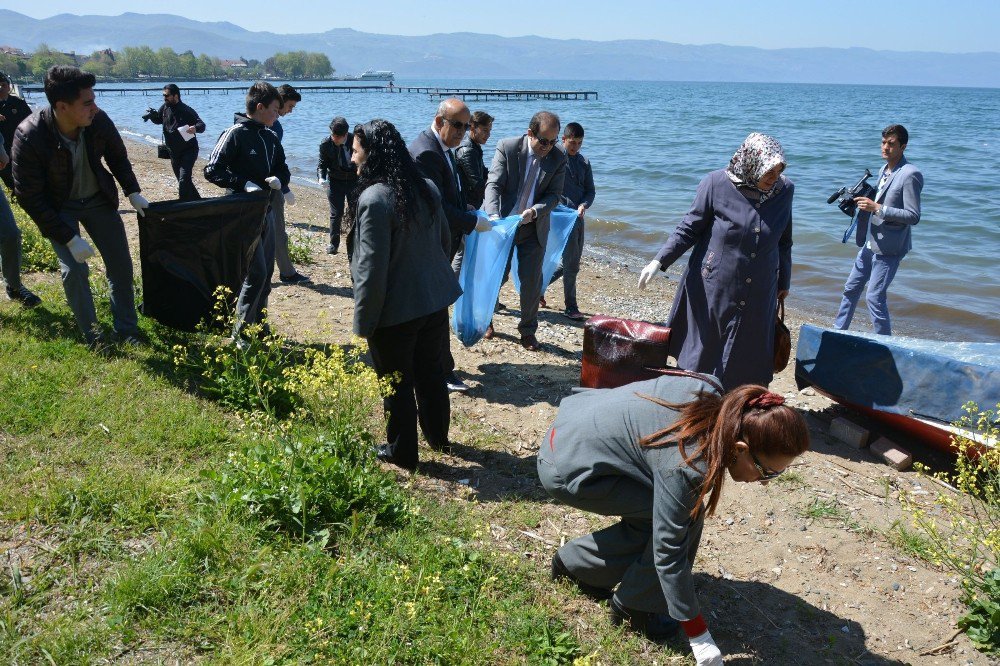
x: 398, y: 242
x: 740, y: 226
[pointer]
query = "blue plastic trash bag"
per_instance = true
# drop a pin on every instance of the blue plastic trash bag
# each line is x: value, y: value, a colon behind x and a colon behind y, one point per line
x: 561, y: 221
x: 482, y: 272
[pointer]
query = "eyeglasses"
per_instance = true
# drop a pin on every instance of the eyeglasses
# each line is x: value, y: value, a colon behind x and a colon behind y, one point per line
x: 765, y: 473
x: 545, y: 143
x: 458, y: 124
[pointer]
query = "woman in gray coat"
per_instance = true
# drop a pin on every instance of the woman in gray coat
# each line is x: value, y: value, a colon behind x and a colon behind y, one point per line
x: 398, y: 241
x: 740, y: 226
x: 657, y: 453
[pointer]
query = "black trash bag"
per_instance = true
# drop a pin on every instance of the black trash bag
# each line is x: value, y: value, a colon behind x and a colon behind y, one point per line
x: 189, y: 248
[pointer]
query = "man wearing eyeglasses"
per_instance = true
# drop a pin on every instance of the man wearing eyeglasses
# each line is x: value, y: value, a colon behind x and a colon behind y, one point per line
x: 181, y: 125
x: 526, y: 179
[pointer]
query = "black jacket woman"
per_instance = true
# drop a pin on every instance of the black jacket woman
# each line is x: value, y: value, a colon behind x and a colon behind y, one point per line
x: 657, y: 454
x: 398, y: 242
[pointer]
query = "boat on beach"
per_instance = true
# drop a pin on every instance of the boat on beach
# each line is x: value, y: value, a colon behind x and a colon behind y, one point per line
x: 915, y: 385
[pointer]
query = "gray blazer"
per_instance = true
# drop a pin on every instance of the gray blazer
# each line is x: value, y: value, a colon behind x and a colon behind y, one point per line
x: 399, y: 273
x: 596, y: 436
x: 901, y: 200
x: 507, y: 173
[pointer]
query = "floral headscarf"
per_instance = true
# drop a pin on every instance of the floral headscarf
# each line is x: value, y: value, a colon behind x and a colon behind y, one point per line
x: 759, y: 154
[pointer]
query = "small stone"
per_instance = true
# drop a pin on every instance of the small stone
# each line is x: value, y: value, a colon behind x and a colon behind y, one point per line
x: 845, y: 629
x: 895, y: 587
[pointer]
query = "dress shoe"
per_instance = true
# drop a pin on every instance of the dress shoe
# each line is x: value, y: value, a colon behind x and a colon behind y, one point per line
x: 331, y: 249
x: 530, y: 342
x: 488, y: 335
x: 447, y: 447
x: 294, y: 278
x: 657, y: 627
x: 542, y: 303
x: 385, y: 454
x: 456, y: 384
x: 24, y: 296
x: 559, y: 571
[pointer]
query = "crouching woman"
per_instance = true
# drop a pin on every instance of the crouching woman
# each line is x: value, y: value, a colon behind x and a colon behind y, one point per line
x: 657, y: 453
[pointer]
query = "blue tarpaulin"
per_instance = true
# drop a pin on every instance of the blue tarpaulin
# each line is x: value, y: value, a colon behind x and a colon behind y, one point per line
x: 561, y: 221
x: 482, y: 272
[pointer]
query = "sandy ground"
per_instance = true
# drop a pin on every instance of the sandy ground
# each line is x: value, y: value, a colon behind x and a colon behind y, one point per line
x: 777, y: 586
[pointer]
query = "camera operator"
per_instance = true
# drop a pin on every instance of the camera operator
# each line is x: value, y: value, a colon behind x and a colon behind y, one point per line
x: 173, y: 115
x: 883, y: 232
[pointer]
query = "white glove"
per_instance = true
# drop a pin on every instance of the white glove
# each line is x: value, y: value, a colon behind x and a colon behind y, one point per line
x: 706, y: 652
x: 252, y: 187
x: 273, y: 182
x: 80, y: 249
x: 483, y: 224
x: 494, y: 217
x: 289, y: 198
x: 325, y: 184
x: 139, y: 202
x: 648, y: 272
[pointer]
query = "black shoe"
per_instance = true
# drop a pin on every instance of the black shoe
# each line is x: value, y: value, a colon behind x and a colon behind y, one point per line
x: 559, y: 570
x: 331, y: 249
x: 98, y: 344
x: 294, y: 278
x: 499, y: 306
x: 131, y: 340
x: 657, y: 627
x: 385, y: 454
x: 456, y: 384
x: 24, y: 296
x: 574, y: 314
x: 447, y: 447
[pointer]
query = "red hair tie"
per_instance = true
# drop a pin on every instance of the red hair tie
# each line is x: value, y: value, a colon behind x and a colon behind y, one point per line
x: 767, y: 399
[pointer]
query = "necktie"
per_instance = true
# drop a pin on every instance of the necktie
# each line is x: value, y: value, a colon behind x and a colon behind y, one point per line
x: 526, y: 187
x: 454, y: 170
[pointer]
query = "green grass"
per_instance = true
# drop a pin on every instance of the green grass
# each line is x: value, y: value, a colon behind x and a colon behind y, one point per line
x: 911, y: 542
x: 820, y: 509
x: 36, y: 252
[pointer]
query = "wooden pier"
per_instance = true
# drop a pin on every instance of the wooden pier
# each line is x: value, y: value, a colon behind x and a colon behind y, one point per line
x: 469, y: 94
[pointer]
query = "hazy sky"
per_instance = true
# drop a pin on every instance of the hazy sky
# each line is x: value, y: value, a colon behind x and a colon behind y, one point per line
x: 914, y: 25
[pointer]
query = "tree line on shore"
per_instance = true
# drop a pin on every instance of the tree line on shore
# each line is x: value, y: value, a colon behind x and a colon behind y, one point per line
x: 139, y: 62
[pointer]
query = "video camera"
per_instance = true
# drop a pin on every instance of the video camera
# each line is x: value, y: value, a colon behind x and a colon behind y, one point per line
x: 152, y: 113
x: 845, y: 196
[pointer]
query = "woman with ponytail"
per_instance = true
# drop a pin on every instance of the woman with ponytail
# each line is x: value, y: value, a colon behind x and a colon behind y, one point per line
x: 398, y: 242
x: 657, y: 453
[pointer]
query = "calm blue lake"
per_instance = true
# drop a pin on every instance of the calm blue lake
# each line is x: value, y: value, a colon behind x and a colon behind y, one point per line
x: 651, y: 142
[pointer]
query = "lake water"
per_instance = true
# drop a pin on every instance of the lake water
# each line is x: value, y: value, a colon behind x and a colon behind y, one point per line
x: 651, y: 142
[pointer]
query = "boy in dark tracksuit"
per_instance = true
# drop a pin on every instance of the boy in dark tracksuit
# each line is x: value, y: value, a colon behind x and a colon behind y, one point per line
x: 249, y: 158
x: 337, y: 174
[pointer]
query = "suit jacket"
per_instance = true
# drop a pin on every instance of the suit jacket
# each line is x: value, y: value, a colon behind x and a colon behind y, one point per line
x: 507, y: 174
x: 427, y: 153
x: 334, y: 165
x: 900, y: 198
x: 399, y: 273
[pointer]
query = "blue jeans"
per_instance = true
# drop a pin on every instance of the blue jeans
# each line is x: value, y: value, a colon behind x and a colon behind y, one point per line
x: 877, y: 271
x: 10, y: 245
x: 107, y: 231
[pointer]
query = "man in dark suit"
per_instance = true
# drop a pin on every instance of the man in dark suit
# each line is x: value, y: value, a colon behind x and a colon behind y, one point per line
x: 337, y: 174
x: 526, y: 179
x: 883, y: 232
x: 433, y: 151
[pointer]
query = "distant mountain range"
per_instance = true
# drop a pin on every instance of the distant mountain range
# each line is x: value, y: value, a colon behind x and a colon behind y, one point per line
x: 469, y: 55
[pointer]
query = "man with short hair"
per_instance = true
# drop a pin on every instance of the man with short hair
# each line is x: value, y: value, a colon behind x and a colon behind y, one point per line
x: 61, y: 184
x: 433, y: 151
x: 181, y: 125
x: 526, y: 179
x: 249, y: 158
x: 287, y: 273
x: 13, y: 110
x: 337, y: 174
x: 578, y: 192
x: 472, y: 172
x: 883, y: 232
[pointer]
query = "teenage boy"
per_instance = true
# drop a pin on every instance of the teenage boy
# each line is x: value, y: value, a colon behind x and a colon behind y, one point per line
x: 13, y: 110
x: 249, y: 158
x: 10, y: 248
x: 62, y: 184
x: 182, y: 143
x: 337, y: 174
x: 578, y: 193
x: 290, y: 97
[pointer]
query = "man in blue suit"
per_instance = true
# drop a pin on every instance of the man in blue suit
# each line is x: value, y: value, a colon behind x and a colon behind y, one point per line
x: 883, y: 232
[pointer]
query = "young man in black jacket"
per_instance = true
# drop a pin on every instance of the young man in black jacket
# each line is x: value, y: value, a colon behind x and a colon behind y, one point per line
x: 337, y: 174
x: 61, y: 184
x: 182, y: 143
x: 12, y: 111
x: 249, y: 158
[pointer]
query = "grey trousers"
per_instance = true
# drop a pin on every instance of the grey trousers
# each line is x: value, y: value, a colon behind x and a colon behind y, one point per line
x: 285, y: 266
x: 107, y: 232
x: 569, y: 268
x: 10, y: 245
x: 621, y: 554
x: 257, y: 285
x: 459, y: 254
x: 530, y: 254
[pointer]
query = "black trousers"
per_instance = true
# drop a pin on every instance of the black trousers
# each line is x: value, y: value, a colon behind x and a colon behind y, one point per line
x: 418, y: 351
x: 182, y: 161
x: 338, y: 202
x: 7, y: 175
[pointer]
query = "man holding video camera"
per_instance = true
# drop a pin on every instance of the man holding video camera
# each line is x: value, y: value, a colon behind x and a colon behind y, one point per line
x: 181, y: 124
x: 883, y: 232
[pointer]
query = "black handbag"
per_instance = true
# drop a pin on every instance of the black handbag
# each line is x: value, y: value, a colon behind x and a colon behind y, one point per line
x: 782, y: 339
x: 162, y: 151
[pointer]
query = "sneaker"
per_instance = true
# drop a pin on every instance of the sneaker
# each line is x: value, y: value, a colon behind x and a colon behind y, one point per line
x: 97, y: 344
x: 131, y: 340
x: 574, y: 314
x: 456, y: 384
x: 24, y: 296
x: 294, y: 278
x: 657, y: 627
x: 331, y: 249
